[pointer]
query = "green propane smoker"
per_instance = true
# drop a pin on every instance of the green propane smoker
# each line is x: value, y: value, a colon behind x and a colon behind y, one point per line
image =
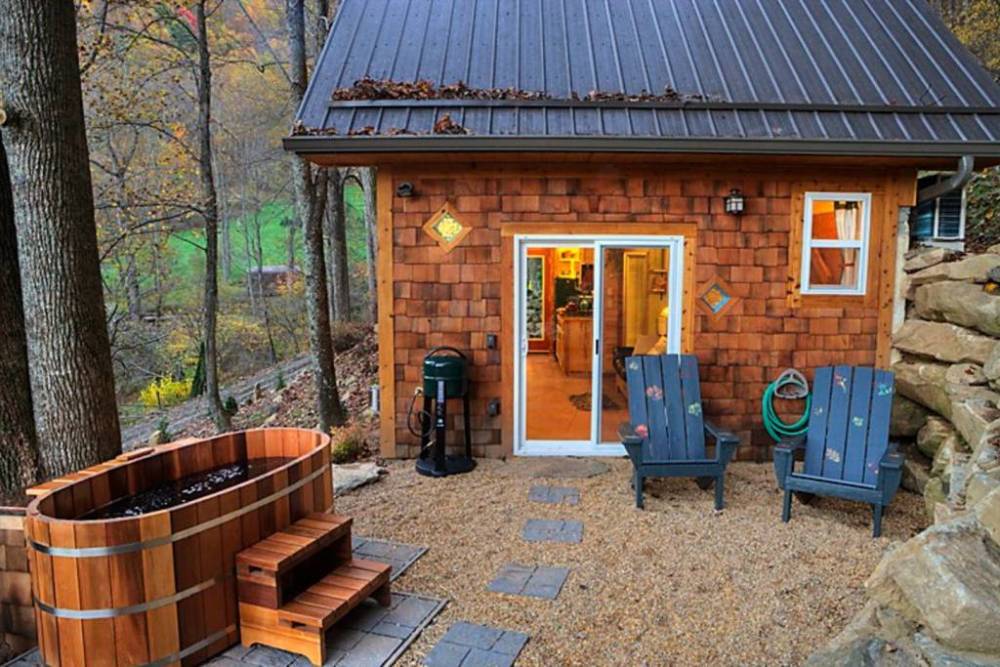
x: 445, y: 377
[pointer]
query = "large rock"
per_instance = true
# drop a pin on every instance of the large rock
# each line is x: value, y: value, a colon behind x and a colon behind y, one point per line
x: 972, y: 269
x: 916, y: 474
x: 972, y: 415
x: 945, y: 342
x: 959, y: 303
x: 965, y: 373
x: 946, y: 580
x: 921, y: 258
x: 352, y: 475
x: 935, y: 494
x: 926, y: 383
x: 991, y: 368
x: 987, y: 511
x: 933, y: 433
x: 908, y: 417
x: 979, y: 486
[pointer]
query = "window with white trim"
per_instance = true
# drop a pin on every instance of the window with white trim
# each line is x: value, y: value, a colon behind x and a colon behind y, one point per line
x: 835, y: 234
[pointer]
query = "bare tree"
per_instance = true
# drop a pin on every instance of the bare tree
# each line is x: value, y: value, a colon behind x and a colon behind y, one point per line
x: 69, y: 357
x: 336, y: 230
x: 310, y: 202
x: 210, y: 213
x: 367, y: 176
x: 19, y: 459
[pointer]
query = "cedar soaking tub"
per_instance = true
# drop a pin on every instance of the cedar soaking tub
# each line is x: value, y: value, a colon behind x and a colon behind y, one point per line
x: 132, y: 560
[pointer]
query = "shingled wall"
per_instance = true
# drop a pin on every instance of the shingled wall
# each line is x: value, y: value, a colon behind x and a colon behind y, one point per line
x: 455, y: 298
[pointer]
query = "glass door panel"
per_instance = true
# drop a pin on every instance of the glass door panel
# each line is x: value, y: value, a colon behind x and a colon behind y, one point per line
x: 557, y: 342
x: 635, y: 287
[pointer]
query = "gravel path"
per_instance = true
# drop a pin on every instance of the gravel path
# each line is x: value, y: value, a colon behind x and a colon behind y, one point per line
x: 675, y: 584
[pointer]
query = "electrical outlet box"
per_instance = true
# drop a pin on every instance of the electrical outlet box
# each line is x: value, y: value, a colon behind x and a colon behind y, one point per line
x: 491, y: 341
x: 493, y: 407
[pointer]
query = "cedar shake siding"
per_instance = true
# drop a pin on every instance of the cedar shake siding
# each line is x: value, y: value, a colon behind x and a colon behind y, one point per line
x: 456, y: 298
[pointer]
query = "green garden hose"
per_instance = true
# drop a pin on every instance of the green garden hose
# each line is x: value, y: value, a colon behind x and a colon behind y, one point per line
x: 776, y: 427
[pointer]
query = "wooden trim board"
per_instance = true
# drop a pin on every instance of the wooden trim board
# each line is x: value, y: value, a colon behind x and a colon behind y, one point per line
x: 386, y: 305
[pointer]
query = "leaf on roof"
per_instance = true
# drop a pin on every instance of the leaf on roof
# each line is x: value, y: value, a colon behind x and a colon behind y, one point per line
x: 445, y: 125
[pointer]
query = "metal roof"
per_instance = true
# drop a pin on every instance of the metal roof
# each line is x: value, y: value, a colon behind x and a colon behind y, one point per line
x: 873, y: 77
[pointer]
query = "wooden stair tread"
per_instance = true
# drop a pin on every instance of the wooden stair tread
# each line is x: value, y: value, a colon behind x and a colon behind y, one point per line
x: 326, y: 601
x: 284, y: 549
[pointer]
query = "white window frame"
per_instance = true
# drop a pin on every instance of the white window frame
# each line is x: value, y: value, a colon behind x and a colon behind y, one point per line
x: 808, y: 243
x: 937, y: 221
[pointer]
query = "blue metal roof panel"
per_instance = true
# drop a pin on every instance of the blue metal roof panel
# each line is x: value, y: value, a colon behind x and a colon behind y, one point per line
x: 807, y: 54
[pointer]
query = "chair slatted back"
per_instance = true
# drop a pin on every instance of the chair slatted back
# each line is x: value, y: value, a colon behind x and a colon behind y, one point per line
x: 664, y: 401
x: 849, y: 423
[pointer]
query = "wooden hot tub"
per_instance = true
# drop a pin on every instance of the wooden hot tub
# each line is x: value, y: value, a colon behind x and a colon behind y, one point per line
x: 159, y: 588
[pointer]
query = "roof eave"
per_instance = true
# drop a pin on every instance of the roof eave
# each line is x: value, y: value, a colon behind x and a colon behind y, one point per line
x: 307, y: 145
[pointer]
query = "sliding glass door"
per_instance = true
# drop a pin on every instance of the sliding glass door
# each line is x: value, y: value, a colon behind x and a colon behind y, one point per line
x: 583, y: 304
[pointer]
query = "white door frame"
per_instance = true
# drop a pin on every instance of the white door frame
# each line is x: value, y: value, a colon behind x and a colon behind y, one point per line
x: 674, y: 244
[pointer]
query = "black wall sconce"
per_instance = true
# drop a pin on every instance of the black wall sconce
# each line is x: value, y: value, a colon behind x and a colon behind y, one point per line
x: 735, y: 202
x: 405, y: 189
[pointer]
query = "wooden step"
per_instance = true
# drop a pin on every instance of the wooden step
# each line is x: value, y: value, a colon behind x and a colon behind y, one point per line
x: 284, y: 550
x: 325, y: 602
x: 300, y: 625
x: 288, y: 561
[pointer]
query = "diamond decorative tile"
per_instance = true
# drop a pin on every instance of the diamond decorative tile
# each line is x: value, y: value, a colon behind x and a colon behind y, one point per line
x: 446, y: 228
x: 716, y: 297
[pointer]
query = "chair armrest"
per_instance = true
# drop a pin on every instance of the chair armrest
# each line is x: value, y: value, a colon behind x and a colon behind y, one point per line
x: 892, y: 457
x: 632, y: 442
x: 784, y: 457
x: 890, y: 473
x: 628, y: 435
x: 792, y: 443
x: 726, y: 443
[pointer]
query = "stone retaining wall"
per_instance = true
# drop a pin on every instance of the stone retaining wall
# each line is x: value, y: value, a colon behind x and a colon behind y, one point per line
x: 935, y: 599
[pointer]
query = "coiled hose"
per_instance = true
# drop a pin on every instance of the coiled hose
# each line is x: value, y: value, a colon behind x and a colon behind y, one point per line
x: 776, y: 427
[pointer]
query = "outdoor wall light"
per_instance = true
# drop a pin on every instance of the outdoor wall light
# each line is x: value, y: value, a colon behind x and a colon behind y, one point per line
x: 735, y: 201
x: 405, y: 189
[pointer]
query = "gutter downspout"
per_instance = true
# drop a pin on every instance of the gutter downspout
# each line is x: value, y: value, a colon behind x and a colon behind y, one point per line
x: 956, y: 181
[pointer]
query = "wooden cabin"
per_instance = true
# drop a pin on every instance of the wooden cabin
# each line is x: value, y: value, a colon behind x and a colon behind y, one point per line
x: 561, y: 184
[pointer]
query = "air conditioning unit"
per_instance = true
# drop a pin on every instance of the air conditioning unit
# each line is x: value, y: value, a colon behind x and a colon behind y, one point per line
x: 940, y: 221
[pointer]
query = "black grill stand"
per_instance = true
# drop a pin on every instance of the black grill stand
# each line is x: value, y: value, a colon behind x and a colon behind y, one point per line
x: 440, y: 464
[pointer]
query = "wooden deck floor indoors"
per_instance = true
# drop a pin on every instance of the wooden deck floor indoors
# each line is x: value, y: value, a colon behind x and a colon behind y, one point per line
x: 551, y: 415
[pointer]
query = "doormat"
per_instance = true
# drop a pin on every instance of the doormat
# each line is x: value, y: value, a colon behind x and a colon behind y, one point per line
x: 583, y: 402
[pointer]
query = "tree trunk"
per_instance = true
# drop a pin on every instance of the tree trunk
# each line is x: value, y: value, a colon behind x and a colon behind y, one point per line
x: 310, y: 202
x: 340, y: 287
x: 371, y: 216
x: 210, y: 206
x: 69, y: 355
x: 19, y: 461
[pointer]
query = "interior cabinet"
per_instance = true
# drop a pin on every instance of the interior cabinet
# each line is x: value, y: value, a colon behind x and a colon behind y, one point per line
x: 574, y: 337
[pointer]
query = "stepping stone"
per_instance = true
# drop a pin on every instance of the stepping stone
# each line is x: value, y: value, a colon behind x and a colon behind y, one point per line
x: 553, y: 530
x: 554, y: 495
x: 471, y: 645
x: 537, y: 581
x: 399, y: 556
x: 369, y: 635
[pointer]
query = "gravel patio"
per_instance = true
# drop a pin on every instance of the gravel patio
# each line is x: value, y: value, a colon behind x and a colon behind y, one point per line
x: 677, y: 583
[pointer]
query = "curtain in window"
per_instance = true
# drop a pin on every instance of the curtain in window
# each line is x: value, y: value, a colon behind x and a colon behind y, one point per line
x: 846, y: 215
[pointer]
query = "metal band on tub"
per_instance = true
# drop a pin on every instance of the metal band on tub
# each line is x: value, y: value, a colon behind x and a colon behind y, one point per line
x: 114, y: 612
x: 97, y: 552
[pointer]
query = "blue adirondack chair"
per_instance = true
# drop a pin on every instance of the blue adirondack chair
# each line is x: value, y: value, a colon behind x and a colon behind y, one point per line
x: 847, y: 449
x: 666, y: 437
